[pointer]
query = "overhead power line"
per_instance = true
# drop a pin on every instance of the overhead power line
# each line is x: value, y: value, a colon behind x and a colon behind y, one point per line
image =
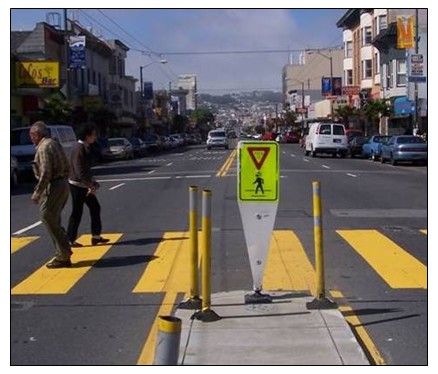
x: 237, y: 52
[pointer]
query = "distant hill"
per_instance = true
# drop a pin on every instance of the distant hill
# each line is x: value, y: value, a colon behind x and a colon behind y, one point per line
x: 256, y: 96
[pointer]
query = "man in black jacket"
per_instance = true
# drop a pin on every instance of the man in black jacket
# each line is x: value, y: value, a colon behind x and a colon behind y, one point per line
x: 83, y: 188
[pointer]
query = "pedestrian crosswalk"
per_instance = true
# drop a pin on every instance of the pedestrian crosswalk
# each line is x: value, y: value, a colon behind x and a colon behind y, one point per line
x: 288, y: 266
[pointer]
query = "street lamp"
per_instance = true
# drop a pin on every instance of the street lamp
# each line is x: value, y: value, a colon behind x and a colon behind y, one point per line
x: 330, y: 58
x: 141, y: 73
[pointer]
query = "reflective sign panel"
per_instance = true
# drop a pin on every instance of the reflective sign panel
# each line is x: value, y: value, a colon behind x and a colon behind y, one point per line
x: 259, y: 172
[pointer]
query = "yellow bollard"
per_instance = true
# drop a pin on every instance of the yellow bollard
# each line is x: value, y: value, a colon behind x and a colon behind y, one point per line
x: 320, y: 301
x: 206, y: 314
x: 193, y: 302
x: 317, y: 234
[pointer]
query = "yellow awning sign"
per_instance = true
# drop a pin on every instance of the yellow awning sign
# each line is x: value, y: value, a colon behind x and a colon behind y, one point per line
x: 259, y: 172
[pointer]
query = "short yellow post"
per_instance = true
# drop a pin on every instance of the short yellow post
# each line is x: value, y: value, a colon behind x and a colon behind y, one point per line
x: 168, y: 340
x: 193, y: 302
x: 206, y: 314
x: 320, y: 301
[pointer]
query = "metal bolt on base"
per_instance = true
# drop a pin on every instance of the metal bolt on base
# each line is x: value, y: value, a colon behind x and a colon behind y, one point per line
x: 258, y: 298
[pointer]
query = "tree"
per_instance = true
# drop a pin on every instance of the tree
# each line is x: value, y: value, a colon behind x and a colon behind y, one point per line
x: 57, y: 110
x: 179, y: 124
x: 202, y: 116
x: 373, y: 110
x: 289, y: 118
x: 344, y: 113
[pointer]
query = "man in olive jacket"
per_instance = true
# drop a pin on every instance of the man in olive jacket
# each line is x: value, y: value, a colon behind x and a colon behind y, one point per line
x: 83, y: 188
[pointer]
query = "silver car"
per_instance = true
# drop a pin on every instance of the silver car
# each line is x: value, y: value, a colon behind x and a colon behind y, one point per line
x: 217, y: 138
x: 404, y: 148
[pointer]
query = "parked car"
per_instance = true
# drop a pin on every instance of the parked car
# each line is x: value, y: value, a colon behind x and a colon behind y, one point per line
x: 291, y: 137
x: 120, y: 148
x: 217, y: 138
x: 355, y: 145
x: 152, y: 142
x: 404, y: 148
x: 14, y: 172
x: 352, y: 133
x: 138, y: 147
x: 178, y: 138
x: 23, y: 149
x: 326, y: 138
x: 373, y: 147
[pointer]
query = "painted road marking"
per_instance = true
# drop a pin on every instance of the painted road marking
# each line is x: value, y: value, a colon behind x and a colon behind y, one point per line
x: 150, y: 172
x: 305, y: 159
x: 60, y: 281
x: 18, y: 243
x: 22, y: 231
x: 352, y: 175
x: 398, y: 268
x: 147, y: 354
x: 197, y: 176
x: 288, y: 267
x: 169, y: 164
x: 360, y: 332
x: 325, y: 166
x: 226, y: 165
x: 169, y: 271
x: 132, y: 179
x: 117, y: 186
x: 424, y: 231
x: 293, y: 155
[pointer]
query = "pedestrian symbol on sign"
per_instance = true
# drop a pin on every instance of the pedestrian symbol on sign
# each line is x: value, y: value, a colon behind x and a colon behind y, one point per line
x: 259, y: 182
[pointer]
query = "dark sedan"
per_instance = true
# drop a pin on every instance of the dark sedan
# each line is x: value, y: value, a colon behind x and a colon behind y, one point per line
x: 355, y: 145
x: 404, y: 148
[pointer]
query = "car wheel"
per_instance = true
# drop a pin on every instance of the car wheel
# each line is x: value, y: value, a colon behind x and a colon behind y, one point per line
x: 373, y: 156
x: 343, y: 155
x: 14, y: 179
x: 313, y: 153
x: 226, y: 147
x: 208, y: 148
x: 393, y: 161
x: 306, y: 153
x: 334, y: 155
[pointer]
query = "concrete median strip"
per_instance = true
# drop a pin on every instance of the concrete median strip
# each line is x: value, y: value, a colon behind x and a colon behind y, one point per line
x: 281, y: 333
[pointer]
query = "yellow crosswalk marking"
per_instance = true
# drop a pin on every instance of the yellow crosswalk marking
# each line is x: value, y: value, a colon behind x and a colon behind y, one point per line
x: 396, y: 266
x: 424, y: 231
x: 169, y: 271
x: 60, y: 281
x: 288, y: 267
x: 18, y: 243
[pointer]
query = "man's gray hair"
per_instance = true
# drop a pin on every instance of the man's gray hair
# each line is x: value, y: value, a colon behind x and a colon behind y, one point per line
x: 40, y: 129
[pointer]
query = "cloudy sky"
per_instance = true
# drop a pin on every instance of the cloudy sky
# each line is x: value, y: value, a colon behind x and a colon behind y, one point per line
x: 207, y: 30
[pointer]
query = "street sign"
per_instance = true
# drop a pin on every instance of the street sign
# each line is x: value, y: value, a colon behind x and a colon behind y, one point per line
x: 416, y: 69
x: 258, y: 173
x: 302, y: 110
x: 258, y: 195
x: 350, y: 90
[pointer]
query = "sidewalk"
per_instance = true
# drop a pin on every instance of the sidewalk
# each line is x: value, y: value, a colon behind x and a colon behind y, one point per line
x: 281, y: 333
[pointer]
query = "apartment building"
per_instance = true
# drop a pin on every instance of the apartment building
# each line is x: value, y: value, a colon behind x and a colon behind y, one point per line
x: 361, y: 65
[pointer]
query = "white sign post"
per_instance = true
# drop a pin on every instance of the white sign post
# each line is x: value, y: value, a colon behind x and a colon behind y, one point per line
x: 258, y: 195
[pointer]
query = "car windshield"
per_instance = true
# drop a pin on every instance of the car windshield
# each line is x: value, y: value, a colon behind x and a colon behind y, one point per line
x: 410, y: 140
x: 338, y: 130
x: 361, y: 139
x: 134, y: 141
x: 20, y: 137
x: 217, y: 134
x: 115, y: 142
x: 381, y: 139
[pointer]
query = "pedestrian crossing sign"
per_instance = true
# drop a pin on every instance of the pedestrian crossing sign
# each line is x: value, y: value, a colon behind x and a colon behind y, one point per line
x: 258, y: 171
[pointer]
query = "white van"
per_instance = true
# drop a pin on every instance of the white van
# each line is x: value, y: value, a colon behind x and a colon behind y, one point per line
x: 326, y: 138
x: 23, y: 149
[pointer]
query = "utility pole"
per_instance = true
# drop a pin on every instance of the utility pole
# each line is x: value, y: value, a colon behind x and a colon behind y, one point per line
x: 67, y: 70
x: 331, y: 87
x: 416, y: 121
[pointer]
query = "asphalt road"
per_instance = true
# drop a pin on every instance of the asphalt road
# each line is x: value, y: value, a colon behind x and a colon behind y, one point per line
x: 98, y: 319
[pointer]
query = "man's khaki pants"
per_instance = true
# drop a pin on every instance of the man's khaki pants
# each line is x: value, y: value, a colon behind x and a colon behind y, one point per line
x: 52, y: 203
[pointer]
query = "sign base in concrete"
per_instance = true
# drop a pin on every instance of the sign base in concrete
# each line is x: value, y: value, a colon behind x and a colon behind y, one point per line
x: 258, y: 298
